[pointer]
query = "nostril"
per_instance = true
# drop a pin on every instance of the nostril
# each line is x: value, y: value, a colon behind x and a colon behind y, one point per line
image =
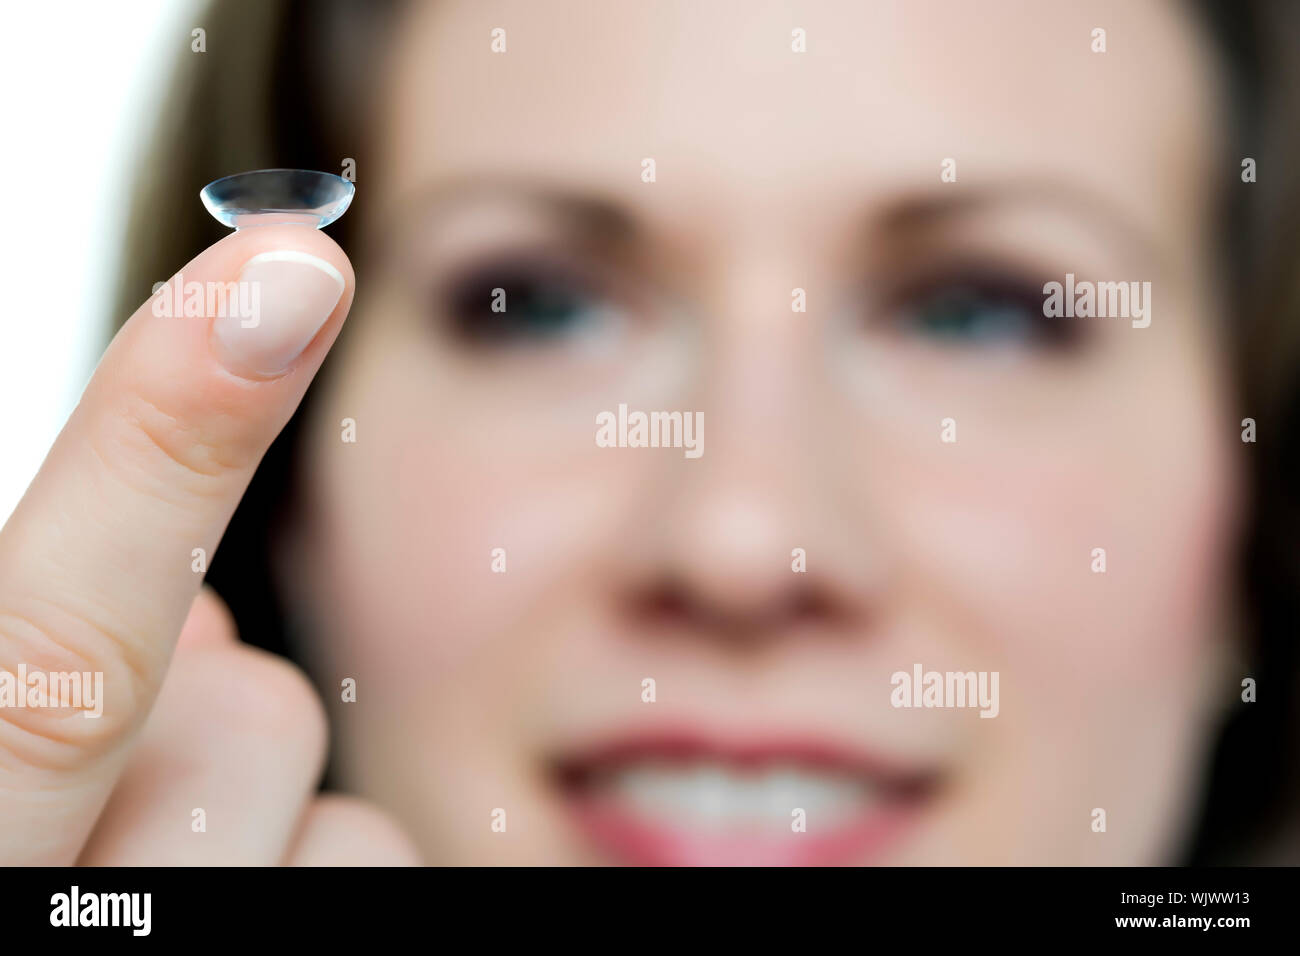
x: 813, y: 604
x: 674, y: 607
x: 665, y: 604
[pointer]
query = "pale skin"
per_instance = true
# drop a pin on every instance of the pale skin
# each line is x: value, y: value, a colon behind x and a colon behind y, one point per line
x: 774, y: 173
x: 149, y: 467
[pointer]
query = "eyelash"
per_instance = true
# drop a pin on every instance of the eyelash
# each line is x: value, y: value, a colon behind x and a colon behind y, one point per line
x: 465, y: 301
x: 978, y: 307
x: 1015, y: 300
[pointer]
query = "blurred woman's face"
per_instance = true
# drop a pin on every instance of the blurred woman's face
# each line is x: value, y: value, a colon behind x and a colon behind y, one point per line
x: 519, y: 680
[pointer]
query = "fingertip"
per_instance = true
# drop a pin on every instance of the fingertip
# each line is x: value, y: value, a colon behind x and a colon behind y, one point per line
x: 231, y: 253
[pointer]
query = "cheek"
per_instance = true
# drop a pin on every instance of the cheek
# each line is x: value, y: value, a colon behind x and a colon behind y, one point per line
x: 413, y: 515
x: 1102, y: 675
x: 999, y: 539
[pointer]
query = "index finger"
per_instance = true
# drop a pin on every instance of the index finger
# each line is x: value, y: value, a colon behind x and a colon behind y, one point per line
x: 98, y: 561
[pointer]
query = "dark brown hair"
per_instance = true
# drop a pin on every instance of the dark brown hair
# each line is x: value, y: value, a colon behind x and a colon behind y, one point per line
x: 287, y: 83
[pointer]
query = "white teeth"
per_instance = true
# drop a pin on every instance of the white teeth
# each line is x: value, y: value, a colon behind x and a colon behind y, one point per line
x: 713, y: 796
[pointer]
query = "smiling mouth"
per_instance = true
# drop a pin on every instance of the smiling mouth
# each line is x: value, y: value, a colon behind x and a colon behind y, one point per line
x: 687, y: 800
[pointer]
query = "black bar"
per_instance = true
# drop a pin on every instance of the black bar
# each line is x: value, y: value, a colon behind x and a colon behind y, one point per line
x: 327, y: 907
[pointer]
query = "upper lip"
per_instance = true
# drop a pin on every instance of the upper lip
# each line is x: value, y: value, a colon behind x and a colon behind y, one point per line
x: 747, y: 751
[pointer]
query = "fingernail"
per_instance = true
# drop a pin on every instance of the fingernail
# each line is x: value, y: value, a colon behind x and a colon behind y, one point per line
x: 285, y: 297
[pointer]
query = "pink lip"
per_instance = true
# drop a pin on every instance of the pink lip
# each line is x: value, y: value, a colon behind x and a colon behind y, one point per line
x: 622, y: 835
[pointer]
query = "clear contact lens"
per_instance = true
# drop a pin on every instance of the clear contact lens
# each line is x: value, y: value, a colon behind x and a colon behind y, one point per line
x: 267, y: 196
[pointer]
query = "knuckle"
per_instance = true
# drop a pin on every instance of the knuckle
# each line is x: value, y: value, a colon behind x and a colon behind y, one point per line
x: 368, y: 826
x: 66, y: 698
x: 199, y: 450
x: 347, y: 811
x: 277, y: 703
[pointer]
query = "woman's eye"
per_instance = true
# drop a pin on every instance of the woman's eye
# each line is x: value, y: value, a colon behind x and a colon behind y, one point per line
x: 523, y: 304
x: 983, y: 315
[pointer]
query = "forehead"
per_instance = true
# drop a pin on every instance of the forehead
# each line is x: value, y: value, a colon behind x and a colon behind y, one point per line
x: 736, y: 121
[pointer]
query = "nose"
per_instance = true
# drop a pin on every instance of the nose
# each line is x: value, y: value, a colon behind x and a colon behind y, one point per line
x: 764, y: 536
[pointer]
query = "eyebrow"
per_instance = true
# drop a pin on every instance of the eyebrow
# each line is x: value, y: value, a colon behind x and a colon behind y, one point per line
x: 606, y: 220
x: 932, y: 208
x: 596, y: 217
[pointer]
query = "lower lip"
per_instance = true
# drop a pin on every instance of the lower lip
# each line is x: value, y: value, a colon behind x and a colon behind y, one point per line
x: 637, y: 841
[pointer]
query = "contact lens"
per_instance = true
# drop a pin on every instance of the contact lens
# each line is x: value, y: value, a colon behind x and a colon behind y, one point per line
x: 265, y: 197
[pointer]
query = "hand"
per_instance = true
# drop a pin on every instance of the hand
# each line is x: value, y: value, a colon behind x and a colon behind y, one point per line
x: 96, y: 576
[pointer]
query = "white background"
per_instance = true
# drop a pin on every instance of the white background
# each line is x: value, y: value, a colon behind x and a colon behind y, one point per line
x: 82, y: 82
